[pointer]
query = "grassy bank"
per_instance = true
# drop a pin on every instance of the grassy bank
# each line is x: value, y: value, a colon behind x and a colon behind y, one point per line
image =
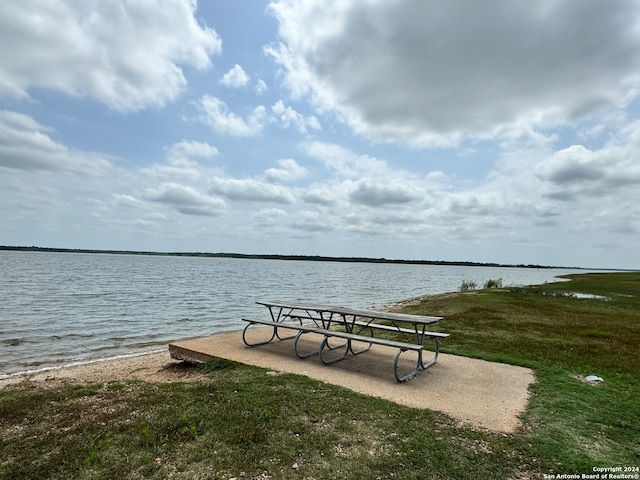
x: 241, y: 422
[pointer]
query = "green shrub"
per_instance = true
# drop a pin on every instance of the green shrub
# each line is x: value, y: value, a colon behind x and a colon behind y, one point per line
x: 491, y: 283
x: 468, y: 285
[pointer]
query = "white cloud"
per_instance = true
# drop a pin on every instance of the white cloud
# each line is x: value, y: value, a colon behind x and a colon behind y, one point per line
x: 127, y: 201
x: 434, y: 72
x: 319, y: 194
x: 344, y: 162
x: 177, y: 181
x: 577, y: 172
x: 191, y: 149
x: 174, y: 169
x: 183, y: 163
x: 313, y: 221
x: 428, y: 203
x: 251, y: 190
x: 269, y: 216
x: 215, y: 113
x: 381, y: 194
x: 185, y: 199
x: 287, y: 117
x: 127, y: 55
x: 289, y: 172
x: 234, y: 78
x: 260, y: 87
x: 27, y: 145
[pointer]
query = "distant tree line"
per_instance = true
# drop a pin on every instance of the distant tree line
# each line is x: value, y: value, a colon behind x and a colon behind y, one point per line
x: 311, y: 258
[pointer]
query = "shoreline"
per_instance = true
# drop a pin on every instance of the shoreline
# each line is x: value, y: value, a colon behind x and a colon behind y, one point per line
x: 76, y: 363
x: 149, y: 365
x: 156, y: 365
x: 89, y: 367
x: 35, y: 344
x: 308, y: 258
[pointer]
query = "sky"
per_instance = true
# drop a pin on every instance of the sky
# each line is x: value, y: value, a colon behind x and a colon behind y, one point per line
x: 451, y: 130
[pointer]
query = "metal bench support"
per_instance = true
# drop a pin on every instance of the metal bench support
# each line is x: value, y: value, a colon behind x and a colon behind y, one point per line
x: 347, y: 347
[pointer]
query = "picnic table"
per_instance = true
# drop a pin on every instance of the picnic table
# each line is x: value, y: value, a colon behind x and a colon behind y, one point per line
x: 354, y: 329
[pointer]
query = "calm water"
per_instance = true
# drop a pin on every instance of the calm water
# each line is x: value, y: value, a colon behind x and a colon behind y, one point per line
x: 58, y: 308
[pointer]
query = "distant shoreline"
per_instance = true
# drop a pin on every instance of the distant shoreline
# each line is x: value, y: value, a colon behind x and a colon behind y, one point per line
x: 310, y: 258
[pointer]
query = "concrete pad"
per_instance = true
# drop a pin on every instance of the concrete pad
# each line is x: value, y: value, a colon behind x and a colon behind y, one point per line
x: 485, y: 394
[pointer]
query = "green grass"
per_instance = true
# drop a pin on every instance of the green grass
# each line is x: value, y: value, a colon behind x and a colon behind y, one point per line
x: 238, y: 421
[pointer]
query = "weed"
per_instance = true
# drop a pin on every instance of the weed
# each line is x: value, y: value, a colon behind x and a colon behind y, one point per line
x: 189, y: 428
x: 468, y: 285
x: 144, y: 430
x: 493, y: 283
x: 217, y: 364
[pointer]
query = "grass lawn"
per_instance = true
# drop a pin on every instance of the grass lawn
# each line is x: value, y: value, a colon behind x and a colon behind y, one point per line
x: 239, y: 422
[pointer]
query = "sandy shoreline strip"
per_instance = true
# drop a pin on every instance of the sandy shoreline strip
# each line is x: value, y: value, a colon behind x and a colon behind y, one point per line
x: 149, y: 366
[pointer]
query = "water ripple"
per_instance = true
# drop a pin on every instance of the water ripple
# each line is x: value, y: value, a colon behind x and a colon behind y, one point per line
x: 59, y: 308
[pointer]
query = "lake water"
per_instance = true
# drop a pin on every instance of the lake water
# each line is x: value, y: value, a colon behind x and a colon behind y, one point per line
x: 59, y: 308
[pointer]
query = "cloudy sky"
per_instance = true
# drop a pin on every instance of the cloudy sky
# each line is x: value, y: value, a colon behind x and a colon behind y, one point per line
x: 496, y: 131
